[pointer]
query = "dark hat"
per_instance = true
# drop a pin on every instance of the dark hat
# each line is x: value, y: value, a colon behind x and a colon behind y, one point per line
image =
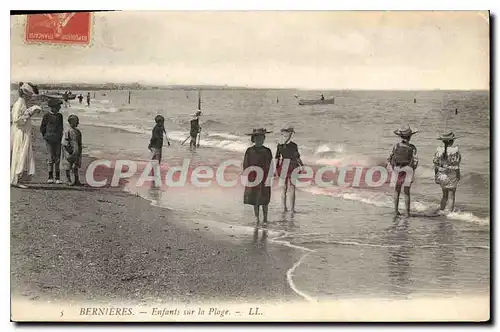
x: 259, y: 131
x: 405, y: 131
x: 288, y: 130
x: 159, y: 118
x: 53, y: 102
x: 73, y: 117
x: 447, y: 137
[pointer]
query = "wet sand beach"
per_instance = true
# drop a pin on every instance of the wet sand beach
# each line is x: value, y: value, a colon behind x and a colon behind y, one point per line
x: 72, y: 244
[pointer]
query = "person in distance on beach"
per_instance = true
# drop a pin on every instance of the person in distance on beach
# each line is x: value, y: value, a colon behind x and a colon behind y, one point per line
x: 88, y: 99
x: 156, y: 142
x: 403, y: 156
x: 22, y: 159
x: 80, y: 98
x: 447, y: 169
x: 260, y: 156
x: 73, y: 150
x: 52, y: 130
x: 194, y: 130
x: 288, y: 150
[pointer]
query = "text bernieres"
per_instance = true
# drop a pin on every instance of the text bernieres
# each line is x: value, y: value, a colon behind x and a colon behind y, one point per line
x: 106, y: 311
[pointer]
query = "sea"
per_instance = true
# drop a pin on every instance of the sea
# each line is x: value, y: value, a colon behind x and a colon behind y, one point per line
x: 347, y: 241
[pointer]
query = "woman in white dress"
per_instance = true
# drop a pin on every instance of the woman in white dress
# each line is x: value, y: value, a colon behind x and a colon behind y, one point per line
x: 21, y: 135
x: 447, y: 169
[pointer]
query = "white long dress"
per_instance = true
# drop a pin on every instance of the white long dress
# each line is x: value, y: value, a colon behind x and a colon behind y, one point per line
x: 22, y: 158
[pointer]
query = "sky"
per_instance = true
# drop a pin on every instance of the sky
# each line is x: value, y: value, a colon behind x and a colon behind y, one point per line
x: 303, y: 50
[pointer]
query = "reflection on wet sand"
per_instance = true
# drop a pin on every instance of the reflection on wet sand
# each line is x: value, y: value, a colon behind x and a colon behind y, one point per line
x: 444, y: 254
x: 399, y: 258
x: 263, y: 238
x: 155, y: 193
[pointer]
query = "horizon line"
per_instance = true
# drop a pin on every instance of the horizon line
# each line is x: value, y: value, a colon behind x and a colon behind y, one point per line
x: 233, y: 87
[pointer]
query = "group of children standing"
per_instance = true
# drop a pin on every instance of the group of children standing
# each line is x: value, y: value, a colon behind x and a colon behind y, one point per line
x: 70, y: 149
x: 446, y: 160
x: 404, y: 155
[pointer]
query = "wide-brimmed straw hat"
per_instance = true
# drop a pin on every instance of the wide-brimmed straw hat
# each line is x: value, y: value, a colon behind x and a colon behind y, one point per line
x: 259, y: 131
x: 29, y: 88
x: 447, y: 137
x: 405, y: 131
x: 288, y: 130
x: 54, y: 102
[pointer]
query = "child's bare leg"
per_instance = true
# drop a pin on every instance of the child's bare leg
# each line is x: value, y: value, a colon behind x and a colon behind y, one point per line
x: 77, y: 179
x: 452, y: 197
x: 407, y: 200
x: 264, y: 212
x: 397, y: 192
x: 292, y: 196
x: 444, y: 199
x: 256, y: 213
x: 283, y: 197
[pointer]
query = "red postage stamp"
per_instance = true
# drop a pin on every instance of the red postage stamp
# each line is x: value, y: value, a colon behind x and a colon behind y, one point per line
x: 65, y: 28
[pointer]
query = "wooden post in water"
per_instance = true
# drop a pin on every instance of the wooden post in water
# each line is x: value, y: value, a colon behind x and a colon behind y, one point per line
x: 129, y: 93
x: 199, y: 109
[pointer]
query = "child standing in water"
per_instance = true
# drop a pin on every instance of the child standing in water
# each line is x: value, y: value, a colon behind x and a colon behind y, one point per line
x: 52, y: 130
x: 288, y: 152
x: 404, y: 161
x: 73, y: 150
x: 195, y: 130
x: 447, y: 169
x: 259, y: 156
x: 156, y: 142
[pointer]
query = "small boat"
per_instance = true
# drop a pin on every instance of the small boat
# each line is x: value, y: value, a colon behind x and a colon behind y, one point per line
x: 303, y: 102
x: 71, y: 96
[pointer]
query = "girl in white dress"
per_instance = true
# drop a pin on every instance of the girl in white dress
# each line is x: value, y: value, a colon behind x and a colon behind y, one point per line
x: 447, y: 169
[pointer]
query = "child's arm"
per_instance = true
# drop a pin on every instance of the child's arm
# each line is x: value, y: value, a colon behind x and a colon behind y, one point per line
x: 43, y: 126
x: 60, y: 124
x: 297, y: 155
x: 415, y: 157
x: 166, y: 136
x: 391, y: 156
x: 74, y: 143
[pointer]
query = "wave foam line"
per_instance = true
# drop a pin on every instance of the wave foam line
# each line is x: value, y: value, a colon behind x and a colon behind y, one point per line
x: 289, y: 273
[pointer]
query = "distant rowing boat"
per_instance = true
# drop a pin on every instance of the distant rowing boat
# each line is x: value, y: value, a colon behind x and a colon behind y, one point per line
x: 303, y: 102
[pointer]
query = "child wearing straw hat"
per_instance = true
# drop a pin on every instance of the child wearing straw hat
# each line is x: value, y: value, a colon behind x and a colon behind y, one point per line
x: 403, y: 161
x: 194, y: 130
x: 258, y: 156
x: 447, y: 169
x: 288, y: 151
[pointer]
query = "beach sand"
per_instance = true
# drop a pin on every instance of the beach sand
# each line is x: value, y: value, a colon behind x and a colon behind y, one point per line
x: 86, y: 244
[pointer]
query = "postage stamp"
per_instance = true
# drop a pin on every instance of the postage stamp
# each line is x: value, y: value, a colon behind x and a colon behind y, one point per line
x: 66, y: 28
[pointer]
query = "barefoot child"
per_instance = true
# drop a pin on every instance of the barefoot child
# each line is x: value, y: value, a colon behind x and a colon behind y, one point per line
x: 447, y: 169
x: 404, y: 161
x: 156, y: 142
x: 194, y: 130
x: 259, y: 156
x: 288, y: 151
x: 73, y: 150
x: 52, y: 130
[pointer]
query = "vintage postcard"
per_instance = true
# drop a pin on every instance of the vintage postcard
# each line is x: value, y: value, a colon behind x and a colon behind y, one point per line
x: 209, y: 166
